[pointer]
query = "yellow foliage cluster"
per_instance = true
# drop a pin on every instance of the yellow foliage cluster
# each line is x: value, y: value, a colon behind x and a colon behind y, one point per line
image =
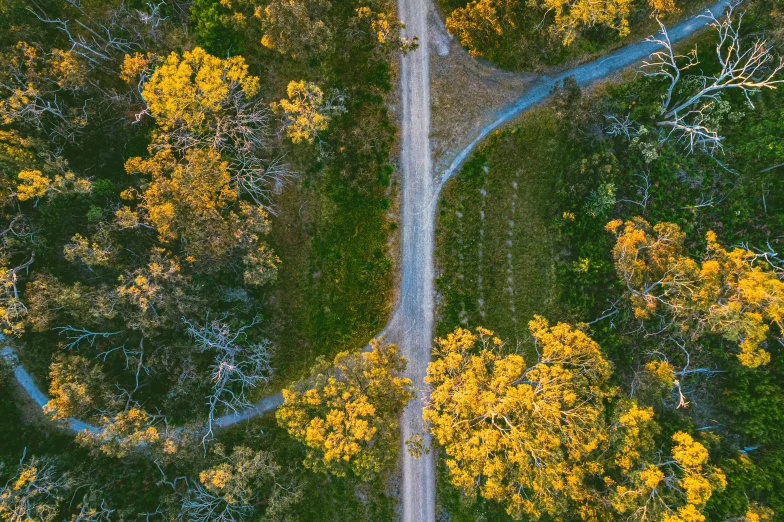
x: 37, y: 79
x: 12, y: 313
x: 34, y: 493
x: 662, y: 372
x: 380, y: 23
x: 303, y: 112
x: 758, y: 513
x: 672, y: 491
x: 573, y: 16
x: 233, y: 479
x: 193, y: 201
x: 74, y: 387
x: 732, y: 293
x: 68, y: 72
x: 186, y: 91
x: 121, y: 434
x: 521, y: 434
x: 16, y: 154
x: 136, y: 65
x: 295, y: 27
x: 537, y: 439
x: 152, y: 289
x: 347, y: 414
x: 384, y: 28
x: 27, y: 476
x: 90, y: 253
x: 36, y: 185
x: 635, y: 432
x: 662, y: 7
x: 479, y: 24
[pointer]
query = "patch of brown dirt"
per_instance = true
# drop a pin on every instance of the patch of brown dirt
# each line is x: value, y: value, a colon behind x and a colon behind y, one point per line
x: 465, y: 94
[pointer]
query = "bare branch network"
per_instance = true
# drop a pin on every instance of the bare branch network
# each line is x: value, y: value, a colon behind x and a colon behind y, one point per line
x: 690, y: 117
x: 238, y: 365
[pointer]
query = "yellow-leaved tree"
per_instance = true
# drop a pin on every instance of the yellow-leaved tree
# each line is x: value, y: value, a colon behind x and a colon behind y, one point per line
x: 347, y: 414
x: 573, y: 16
x: 78, y: 388
x: 307, y: 110
x: 190, y: 91
x: 298, y: 28
x: 643, y: 484
x: 521, y: 434
x: 480, y: 24
x: 486, y: 27
x: 735, y: 293
x: 200, y: 101
x: 35, y: 492
x: 552, y: 439
x: 131, y: 430
x: 192, y: 202
x: 245, y: 483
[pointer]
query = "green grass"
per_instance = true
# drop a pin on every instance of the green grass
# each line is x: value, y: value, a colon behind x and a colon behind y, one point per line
x: 529, y: 156
x: 334, y: 292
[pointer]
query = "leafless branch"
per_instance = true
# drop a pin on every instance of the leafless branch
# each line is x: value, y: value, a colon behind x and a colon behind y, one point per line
x: 617, y: 127
x: 237, y: 367
x: 76, y: 335
x: 748, y: 68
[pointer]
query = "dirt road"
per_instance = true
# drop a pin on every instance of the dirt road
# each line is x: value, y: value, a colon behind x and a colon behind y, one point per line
x: 414, y: 313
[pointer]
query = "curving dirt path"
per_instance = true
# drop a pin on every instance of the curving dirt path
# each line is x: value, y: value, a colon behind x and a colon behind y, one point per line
x: 411, y: 325
x: 585, y: 75
x: 25, y: 381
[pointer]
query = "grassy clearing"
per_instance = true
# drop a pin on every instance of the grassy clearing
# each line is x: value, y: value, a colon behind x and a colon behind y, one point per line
x: 497, y: 251
x: 335, y: 285
x: 495, y: 245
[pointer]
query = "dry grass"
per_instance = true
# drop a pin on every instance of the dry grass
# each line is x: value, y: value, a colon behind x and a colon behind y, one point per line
x: 465, y: 94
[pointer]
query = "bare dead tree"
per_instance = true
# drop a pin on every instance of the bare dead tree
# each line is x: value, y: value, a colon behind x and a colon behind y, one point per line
x: 99, y: 43
x: 200, y: 505
x: 12, y: 309
x: 92, y: 513
x: 35, y: 497
x: 643, y: 191
x: 31, y: 96
x: 238, y: 365
x: 625, y: 127
x: 611, y: 311
x: 769, y: 256
x: 134, y: 361
x: 743, y: 67
x: 153, y: 18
